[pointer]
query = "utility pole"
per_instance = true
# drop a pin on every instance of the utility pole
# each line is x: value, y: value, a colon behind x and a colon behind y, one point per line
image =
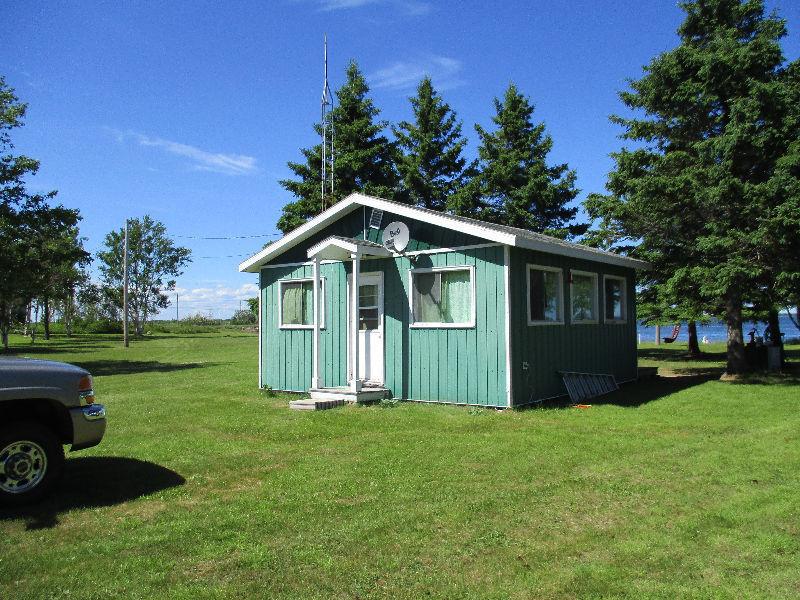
x: 177, y: 314
x: 125, y: 287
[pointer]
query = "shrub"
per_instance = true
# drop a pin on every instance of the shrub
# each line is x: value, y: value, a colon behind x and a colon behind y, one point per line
x: 243, y: 317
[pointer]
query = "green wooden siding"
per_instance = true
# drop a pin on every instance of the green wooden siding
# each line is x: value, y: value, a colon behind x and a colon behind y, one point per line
x: 456, y: 365
x: 286, y: 353
x: 590, y: 348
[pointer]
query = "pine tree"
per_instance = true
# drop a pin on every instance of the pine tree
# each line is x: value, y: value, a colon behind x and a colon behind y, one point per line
x: 364, y: 157
x: 516, y: 185
x: 702, y: 192
x: 431, y: 165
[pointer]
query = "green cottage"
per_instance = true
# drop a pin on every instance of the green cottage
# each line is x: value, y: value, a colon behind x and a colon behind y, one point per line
x: 421, y: 305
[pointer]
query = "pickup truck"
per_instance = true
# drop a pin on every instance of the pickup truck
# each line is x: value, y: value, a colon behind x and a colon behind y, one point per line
x: 43, y: 405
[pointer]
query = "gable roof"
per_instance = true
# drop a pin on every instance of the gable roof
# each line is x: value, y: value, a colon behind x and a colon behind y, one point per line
x: 502, y: 234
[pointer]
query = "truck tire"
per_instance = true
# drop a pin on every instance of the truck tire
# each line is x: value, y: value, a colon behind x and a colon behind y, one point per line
x: 31, y: 462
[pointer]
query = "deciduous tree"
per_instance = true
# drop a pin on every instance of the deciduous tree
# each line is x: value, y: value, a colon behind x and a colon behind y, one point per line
x: 153, y: 262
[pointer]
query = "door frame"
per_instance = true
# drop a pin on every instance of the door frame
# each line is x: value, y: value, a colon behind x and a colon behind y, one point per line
x: 381, y: 325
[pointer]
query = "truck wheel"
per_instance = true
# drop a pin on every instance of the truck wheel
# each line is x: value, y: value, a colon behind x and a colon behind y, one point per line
x: 31, y: 462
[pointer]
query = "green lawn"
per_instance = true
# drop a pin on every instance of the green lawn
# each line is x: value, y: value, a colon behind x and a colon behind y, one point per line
x: 207, y: 488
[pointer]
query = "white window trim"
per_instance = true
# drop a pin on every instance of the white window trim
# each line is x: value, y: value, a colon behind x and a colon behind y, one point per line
x: 624, y: 318
x: 422, y: 325
x: 572, y: 299
x: 528, y: 269
x: 322, y: 311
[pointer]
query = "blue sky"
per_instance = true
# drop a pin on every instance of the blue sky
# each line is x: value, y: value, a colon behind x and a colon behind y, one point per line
x: 189, y: 111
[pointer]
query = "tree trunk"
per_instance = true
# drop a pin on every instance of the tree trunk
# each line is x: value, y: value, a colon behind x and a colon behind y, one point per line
x: 68, y: 305
x: 694, y: 346
x: 28, y: 309
x: 34, y: 321
x: 737, y: 361
x: 775, y: 332
x: 46, y: 317
x: 4, y: 335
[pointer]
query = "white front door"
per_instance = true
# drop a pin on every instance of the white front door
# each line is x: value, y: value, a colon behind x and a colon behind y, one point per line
x: 370, y: 327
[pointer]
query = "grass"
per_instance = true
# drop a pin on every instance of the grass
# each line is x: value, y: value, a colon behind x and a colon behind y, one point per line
x: 206, y: 487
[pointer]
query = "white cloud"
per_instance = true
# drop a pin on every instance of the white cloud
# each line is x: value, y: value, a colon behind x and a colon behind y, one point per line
x: 406, y: 75
x: 339, y: 4
x: 201, y: 160
x: 220, y: 300
x: 409, y: 7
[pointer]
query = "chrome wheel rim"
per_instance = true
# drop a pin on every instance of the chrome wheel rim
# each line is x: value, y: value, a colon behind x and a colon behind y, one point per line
x: 22, y: 466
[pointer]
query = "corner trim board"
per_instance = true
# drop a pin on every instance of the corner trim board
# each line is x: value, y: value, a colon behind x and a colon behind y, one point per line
x: 507, y: 273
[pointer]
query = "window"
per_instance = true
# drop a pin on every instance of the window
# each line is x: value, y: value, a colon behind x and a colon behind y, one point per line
x: 614, y: 294
x: 297, y: 303
x: 545, y: 295
x: 583, y: 297
x: 442, y: 297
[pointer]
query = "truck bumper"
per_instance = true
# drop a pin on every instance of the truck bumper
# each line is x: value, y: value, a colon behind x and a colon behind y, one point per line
x: 88, y: 425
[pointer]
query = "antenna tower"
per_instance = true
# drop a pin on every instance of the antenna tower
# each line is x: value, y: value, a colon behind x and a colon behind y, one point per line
x: 327, y: 135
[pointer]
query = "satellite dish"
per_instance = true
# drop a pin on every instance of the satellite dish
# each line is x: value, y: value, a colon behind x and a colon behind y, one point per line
x: 395, y: 236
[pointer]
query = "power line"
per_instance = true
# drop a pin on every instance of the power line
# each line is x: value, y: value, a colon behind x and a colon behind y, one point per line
x: 226, y: 256
x: 229, y: 237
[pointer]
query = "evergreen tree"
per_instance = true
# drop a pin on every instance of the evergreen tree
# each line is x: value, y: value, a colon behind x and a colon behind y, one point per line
x: 364, y: 157
x: 702, y: 193
x: 516, y: 185
x: 431, y: 165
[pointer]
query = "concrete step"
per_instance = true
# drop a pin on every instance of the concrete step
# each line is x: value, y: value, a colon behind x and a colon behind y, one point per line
x: 367, y: 394
x: 315, y: 404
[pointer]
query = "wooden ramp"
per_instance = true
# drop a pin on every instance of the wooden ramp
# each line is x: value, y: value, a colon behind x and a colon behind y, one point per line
x: 582, y: 386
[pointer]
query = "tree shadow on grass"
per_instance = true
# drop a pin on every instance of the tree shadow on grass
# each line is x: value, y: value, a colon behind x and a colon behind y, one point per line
x: 38, y: 349
x: 680, y: 355
x: 96, y: 481
x: 128, y: 367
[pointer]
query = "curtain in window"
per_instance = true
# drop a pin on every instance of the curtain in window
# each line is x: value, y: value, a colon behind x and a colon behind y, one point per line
x: 456, y: 297
x: 296, y: 303
x: 443, y: 297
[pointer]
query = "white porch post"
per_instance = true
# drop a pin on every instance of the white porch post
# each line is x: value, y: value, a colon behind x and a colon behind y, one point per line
x: 315, y: 378
x: 355, y: 382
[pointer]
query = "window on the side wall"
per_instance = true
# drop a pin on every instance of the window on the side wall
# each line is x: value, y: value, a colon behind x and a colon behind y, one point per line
x: 614, y: 299
x: 297, y: 303
x: 583, y: 297
x: 545, y: 295
x: 443, y: 297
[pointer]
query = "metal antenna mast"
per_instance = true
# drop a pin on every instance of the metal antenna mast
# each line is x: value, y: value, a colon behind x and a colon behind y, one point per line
x: 327, y: 134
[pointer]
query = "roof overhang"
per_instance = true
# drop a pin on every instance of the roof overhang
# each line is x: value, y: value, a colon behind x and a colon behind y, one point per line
x: 339, y: 248
x: 469, y: 226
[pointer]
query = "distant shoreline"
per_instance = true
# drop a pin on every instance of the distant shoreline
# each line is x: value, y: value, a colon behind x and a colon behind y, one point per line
x: 716, y: 331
